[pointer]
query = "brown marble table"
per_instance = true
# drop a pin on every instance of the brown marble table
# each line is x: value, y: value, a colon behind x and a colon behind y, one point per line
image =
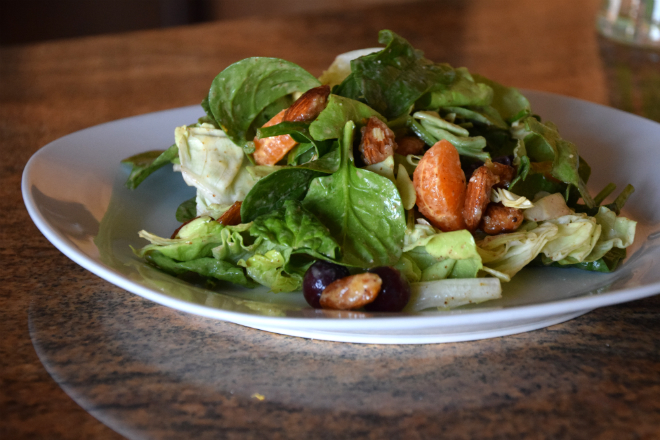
x: 83, y: 359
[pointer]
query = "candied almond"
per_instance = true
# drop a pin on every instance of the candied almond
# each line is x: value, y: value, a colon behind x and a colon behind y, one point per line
x: 506, y: 173
x: 351, y: 292
x: 409, y: 145
x: 499, y: 219
x: 440, y: 186
x: 309, y: 105
x: 377, y: 141
x: 232, y: 216
x: 477, y: 196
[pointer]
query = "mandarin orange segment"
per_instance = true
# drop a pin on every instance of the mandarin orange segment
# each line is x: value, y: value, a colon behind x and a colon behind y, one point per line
x: 440, y: 186
x: 269, y: 151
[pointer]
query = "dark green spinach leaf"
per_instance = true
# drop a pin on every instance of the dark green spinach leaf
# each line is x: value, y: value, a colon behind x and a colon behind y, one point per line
x: 242, y: 92
x: 144, y: 164
x: 363, y: 210
x: 270, y: 193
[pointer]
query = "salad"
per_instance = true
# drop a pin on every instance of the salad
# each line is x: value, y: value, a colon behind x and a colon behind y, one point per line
x: 389, y: 183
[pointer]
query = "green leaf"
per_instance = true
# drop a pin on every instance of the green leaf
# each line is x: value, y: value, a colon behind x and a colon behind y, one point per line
x: 206, y: 267
x: 393, y: 79
x: 444, y: 255
x: 295, y: 228
x: 187, y: 210
x: 543, y: 143
x: 330, y: 123
x: 241, y: 92
x: 268, y: 270
x: 485, y: 115
x: 463, y: 91
x: 270, y: 193
x: 508, y: 101
x: 363, y: 211
x: 144, y: 164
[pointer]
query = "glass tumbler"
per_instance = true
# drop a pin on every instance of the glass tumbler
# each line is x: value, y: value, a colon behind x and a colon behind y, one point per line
x: 635, y: 22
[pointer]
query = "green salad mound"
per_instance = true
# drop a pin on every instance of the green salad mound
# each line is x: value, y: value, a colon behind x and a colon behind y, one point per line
x: 321, y: 202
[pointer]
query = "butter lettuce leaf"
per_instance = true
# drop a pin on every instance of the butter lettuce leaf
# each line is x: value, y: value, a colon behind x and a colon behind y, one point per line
x: 442, y: 255
x: 462, y: 91
x: 507, y: 254
x: 268, y: 270
x: 508, y: 101
x: 213, y: 164
x: 543, y: 144
x: 206, y: 267
x: 294, y: 230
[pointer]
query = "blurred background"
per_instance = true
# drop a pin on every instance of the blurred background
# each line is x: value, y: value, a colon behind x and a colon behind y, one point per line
x: 27, y: 21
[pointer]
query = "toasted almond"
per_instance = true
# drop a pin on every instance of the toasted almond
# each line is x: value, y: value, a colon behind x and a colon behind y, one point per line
x: 440, y: 186
x: 351, y: 292
x: 477, y: 196
x: 232, y: 216
x: 499, y: 219
x: 270, y: 150
x: 505, y: 173
x: 377, y: 141
x: 309, y: 105
x: 409, y: 145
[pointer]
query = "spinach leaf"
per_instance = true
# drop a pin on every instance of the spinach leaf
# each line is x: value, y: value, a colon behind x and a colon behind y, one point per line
x: 349, y: 88
x: 363, y: 210
x: 270, y: 193
x: 209, y: 114
x: 243, y: 91
x: 187, y: 210
x: 393, y: 79
x: 144, y: 164
x: 330, y: 123
x: 327, y: 164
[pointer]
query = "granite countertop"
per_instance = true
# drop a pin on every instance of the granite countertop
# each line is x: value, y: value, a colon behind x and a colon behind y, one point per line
x: 81, y: 358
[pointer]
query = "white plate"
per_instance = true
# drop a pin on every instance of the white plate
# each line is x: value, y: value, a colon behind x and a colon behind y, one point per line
x: 73, y: 190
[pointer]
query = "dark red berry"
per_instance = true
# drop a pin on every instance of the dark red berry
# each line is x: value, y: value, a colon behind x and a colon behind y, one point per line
x: 394, y: 293
x: 318, y: 277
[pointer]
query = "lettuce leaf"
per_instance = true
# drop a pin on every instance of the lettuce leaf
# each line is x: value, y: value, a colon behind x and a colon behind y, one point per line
x: 543, y: 144
x: 507, y: 254
x: 463, y: 91
x: 507, y: 101
x: 293, y: 230
x: 213, y: 164
x: 268, y: 270
x: 441, y: 255
x: 206, y: 267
